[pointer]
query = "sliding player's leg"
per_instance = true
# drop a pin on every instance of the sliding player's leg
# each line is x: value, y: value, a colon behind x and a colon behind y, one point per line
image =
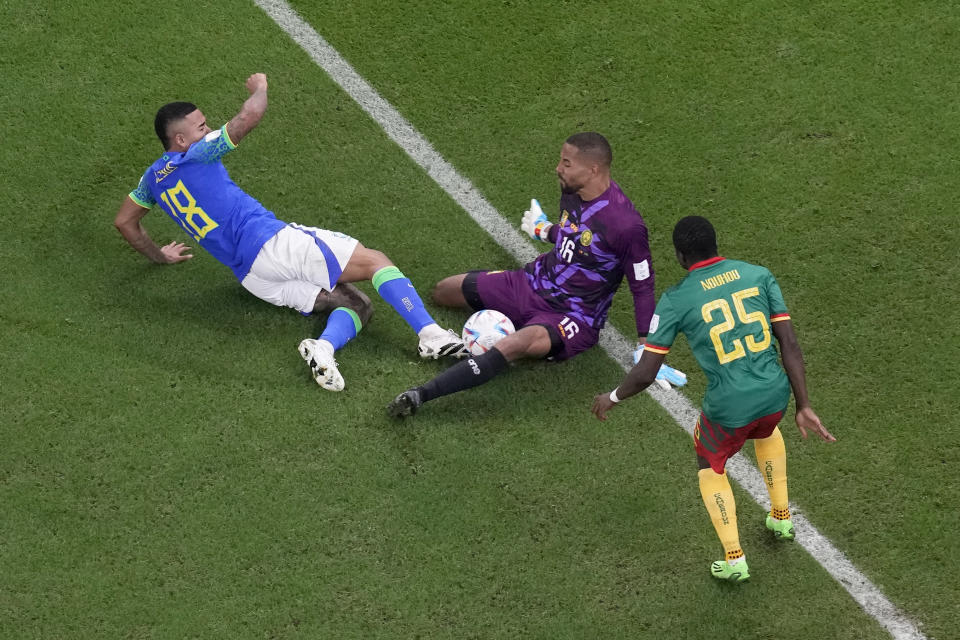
x: 292, y: 271
x: 350, y: 309
x: 449, y: 293
x: 543, y: 333
x: 399, y: 292
x: 529, y: 342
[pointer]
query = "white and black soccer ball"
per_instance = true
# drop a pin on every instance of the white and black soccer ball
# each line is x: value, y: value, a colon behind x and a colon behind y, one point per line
x: 484, y: 329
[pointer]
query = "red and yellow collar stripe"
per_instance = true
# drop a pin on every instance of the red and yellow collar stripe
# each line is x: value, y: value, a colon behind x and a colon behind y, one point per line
x: 706, y: 263
x: 655, y: 348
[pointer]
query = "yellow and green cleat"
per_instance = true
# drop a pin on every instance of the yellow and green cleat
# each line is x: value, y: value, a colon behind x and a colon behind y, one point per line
x: 782, y: 529
x: 722, y: 570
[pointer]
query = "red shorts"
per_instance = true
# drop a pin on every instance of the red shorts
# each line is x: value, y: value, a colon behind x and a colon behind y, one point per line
x: 716, y: 443
x: 510, y: 293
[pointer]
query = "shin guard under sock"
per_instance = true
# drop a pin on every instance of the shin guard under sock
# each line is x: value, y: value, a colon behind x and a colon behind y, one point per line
x: 772, y: 462
x: 466, y: 374
x: 718, y: 499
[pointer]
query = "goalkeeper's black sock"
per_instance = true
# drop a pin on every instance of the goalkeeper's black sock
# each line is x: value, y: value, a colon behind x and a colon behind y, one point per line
x: 466, y: 374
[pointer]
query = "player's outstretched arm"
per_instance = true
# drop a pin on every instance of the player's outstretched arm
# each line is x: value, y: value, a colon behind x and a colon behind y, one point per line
x: 792, y: 357
x: 128, y: 224
x: 639, y: 378
x: 252, y: 110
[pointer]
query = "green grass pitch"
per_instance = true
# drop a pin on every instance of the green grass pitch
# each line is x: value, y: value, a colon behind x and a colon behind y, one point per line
x: 170, y: 470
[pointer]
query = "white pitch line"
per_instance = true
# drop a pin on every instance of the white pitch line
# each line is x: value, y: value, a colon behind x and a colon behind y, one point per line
x: 620, y: 349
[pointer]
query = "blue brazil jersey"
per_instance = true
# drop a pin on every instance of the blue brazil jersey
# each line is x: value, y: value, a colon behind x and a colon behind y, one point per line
x: 196, y: 191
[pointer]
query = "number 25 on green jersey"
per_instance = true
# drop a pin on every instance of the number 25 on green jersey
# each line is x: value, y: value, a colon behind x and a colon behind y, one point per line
x: 722, y: 307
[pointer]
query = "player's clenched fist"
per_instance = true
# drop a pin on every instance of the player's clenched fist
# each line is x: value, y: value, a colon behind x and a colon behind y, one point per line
x: 257, y: 82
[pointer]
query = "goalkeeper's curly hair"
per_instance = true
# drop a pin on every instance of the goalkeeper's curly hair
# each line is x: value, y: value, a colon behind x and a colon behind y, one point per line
x: 695, y: 238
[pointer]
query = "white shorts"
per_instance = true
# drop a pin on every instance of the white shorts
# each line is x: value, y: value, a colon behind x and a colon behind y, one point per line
x: 295, y: 265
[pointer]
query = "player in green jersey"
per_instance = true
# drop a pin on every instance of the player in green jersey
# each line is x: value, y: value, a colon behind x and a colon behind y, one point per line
x: 728, y: 310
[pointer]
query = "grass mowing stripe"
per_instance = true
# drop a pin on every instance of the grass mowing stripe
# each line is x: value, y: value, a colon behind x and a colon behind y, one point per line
x: 472, y: 201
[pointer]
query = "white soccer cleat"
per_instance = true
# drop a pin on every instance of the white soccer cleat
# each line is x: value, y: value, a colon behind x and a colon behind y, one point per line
x: 322, y: 365
x: 438, y: 342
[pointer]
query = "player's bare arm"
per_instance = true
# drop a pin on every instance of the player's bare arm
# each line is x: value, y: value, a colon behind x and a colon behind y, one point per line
x: 252, y: 110
x: 638, y: 378
x: 792, y: 358
x: 128, y: 223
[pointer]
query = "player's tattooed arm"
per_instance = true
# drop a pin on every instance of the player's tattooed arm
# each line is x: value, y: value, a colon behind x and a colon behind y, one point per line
x: 128, y: 224
x: 252, y: 110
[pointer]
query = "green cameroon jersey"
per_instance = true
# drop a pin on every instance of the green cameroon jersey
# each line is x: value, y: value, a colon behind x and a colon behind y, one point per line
x: 725, y: 308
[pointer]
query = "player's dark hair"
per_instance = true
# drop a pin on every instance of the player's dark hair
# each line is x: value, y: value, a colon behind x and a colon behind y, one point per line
x: 695, y: 238
x: 594, y: 145
x: 168, y: 114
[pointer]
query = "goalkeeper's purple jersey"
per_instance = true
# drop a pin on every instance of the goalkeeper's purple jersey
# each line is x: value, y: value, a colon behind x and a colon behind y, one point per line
x: 596, y: 244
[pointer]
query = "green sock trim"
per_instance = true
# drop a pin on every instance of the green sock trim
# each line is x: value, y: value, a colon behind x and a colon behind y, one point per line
x: 353, y: 314
x: 385, y: 275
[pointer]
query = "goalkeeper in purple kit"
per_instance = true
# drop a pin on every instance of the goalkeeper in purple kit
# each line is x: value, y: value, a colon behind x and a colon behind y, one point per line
x: 559, y: 302
x: 305, y: 268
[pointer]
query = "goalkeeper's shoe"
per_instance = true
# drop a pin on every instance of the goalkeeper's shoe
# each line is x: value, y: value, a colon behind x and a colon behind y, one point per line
x: 405, y: 404
x: 322, y: 365
x: 437, y: 342
x: 782, y: 529
x: 723, y: 570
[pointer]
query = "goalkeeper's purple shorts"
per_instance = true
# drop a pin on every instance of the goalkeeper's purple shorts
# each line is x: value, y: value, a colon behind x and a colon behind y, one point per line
x: 510, y: 293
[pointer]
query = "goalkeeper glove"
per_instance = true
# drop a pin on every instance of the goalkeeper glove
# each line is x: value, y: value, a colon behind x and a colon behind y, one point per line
x: 666, y: 375
x: 535, y: 222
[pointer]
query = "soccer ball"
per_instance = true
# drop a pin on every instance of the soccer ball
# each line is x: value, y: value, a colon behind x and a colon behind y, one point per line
x: 484, y: 329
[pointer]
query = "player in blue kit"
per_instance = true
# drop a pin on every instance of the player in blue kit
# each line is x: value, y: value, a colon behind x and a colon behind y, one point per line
x: 558, y: 302
x: 305, y: 268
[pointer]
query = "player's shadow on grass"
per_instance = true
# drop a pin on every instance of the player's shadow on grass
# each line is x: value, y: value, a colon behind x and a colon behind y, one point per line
x: 511, y: 398
x: 164, y: 297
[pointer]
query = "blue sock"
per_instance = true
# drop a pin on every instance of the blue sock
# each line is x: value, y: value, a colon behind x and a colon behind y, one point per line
x: 396, y: 288
x: 342, y: 326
